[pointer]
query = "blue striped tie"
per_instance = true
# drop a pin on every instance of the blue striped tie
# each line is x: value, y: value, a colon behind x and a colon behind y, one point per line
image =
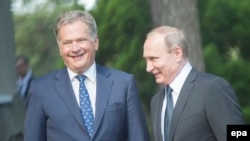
x: 85, y: 105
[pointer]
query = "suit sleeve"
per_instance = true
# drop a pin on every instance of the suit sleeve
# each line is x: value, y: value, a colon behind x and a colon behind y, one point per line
x: 137, y: 126
x: 35, y: 119
x: 222, y: 108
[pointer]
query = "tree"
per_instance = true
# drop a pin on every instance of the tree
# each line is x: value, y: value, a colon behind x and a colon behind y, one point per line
x: 182, y: 14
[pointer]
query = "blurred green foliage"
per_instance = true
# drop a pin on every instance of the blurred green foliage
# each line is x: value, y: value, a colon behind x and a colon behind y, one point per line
x: 226, y: 24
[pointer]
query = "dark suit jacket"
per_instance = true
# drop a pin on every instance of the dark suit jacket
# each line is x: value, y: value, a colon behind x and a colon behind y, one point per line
x: 54, y: 115
x: 205, y: 106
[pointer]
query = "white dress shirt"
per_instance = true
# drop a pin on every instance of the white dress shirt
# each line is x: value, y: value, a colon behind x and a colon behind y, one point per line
x: 90, y: 83
x: 176, y: 85
x: 22, y: 83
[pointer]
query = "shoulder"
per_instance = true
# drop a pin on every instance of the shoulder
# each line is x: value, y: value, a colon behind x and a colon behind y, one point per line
x: 50, y: 76
x: 209, y: 83
x: 208, y: 77
x: 216, y: 79
x: 113, y: 73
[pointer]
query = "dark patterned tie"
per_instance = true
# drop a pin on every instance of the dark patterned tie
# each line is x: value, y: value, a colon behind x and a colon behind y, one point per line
x: 85, y: 105
x: 168, y: 112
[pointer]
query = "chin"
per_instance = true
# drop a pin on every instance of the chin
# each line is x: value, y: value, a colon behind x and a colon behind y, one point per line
x: 159, y: 82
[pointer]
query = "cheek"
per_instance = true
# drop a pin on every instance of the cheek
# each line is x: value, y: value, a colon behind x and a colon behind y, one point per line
x: 92, y: 52
x: 165, y: 69
x: 63, y: 52
x: 159, y: 65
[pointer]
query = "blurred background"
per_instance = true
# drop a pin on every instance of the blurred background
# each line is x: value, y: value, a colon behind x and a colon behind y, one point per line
x: 218, y: 33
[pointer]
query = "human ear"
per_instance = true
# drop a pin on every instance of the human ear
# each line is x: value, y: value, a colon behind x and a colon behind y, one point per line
x: 178, y: 52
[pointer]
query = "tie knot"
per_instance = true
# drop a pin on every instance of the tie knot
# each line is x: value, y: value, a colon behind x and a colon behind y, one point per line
x: 169, y: 90
x: 81, y: 77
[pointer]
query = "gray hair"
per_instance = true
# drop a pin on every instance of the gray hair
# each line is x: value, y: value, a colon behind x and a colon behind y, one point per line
x: 76, y: 15
x: 173, y: 37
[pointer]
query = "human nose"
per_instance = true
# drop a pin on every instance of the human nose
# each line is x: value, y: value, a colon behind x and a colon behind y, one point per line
x: 75, y: 46
x: 149, y: 66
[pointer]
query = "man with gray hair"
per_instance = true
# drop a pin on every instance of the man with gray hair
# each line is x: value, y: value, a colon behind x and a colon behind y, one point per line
x: 191, y: 105
x: 83, y: 101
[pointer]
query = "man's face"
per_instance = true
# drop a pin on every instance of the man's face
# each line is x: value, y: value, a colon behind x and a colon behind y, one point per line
x: 160, y: 61
x: 77, y: 47
x: 21, y: 68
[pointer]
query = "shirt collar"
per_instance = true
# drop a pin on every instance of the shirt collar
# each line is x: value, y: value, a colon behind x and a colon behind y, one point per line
x: 178, y: 82
x: 90, y: 73
x: 27, y: 76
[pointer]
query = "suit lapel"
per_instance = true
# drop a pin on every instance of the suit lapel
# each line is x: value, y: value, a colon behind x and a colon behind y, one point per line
x: 182, y: 100
x: 103, y: 86
x: 65, y: 91
x: 160, y: 98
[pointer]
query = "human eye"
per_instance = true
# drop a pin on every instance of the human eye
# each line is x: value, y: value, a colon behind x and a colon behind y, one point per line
x: 66, y: 44
x: 81, y: 41
x: 153, y: 59
x: 150, y: 59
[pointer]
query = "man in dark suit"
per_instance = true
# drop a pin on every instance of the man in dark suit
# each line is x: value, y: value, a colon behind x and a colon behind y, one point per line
x: 200, y: 105
x: 24, y: 76
x: 55, y: 107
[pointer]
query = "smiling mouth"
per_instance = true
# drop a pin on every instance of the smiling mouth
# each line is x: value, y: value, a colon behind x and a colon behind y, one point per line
x: 156, y: 74
x: 78, y: 56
